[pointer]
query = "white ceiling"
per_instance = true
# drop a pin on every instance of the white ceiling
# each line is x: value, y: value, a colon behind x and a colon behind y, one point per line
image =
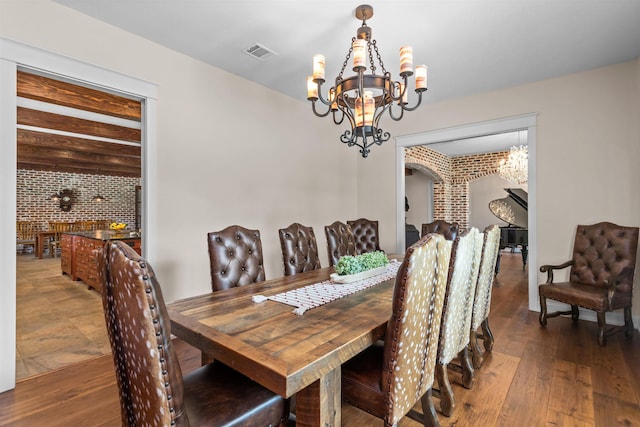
x: 470, y: 46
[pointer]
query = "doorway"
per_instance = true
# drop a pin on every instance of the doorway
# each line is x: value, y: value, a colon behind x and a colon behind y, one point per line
x: 84, y: 143
x: 473, y: 130
x: 15, y: 55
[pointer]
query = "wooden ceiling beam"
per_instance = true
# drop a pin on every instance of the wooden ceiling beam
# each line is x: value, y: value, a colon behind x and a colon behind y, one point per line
x: 58, y: 92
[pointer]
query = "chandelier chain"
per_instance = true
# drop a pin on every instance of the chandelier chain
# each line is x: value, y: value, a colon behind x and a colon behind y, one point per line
x: 375, y: 47
x: 346, y: 60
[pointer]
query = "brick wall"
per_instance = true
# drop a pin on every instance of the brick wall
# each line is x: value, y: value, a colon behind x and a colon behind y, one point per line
x: 451, y: 177
x: 35, y: 187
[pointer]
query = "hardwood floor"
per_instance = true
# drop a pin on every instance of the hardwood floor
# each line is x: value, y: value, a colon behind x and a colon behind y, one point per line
x: 557, y: 376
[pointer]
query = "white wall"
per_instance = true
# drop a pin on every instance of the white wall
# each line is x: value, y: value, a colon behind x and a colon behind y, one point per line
x: 228, y: 152
x: 587, y: 151
x: 221, y: 159
x: 419, y: 191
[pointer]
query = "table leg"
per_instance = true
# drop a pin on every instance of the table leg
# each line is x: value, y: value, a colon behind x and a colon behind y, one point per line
x: 319, y: 404
x: 39, y: 246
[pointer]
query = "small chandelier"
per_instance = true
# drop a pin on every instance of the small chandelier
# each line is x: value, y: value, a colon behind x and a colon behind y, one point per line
x: 516, y: 167
x: 363, y: 98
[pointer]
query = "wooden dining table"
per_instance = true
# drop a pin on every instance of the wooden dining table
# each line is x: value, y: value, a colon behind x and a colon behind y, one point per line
x: 287, y: 353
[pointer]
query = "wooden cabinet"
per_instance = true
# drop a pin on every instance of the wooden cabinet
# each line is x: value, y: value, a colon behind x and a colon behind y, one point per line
x: 87, y: 252
x: 66, y: 255
x: 80, y: 255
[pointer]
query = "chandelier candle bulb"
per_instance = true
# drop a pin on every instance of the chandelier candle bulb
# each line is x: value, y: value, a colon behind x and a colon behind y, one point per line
x: 403, y: 92
x: 332, y: 99
x: 359, y: 54
x: 406, y: 60
x: 312, y: 88
x: 369, y: 109
x: 421, y: 77
x: 318, y: 67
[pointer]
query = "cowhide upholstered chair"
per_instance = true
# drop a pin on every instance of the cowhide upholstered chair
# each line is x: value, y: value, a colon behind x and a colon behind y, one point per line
x: 482, y: 300
x: 389, y: 378
x: 448, y: 229
x: 299, y: 249
x: 600, y: 279
x: 340, y: 241
x: 456, y: 315
x: 365, y: 232
x: 235, y: 256
x: 152, y: 389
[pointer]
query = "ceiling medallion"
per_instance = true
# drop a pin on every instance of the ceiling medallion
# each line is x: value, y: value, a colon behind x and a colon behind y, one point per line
x: 363, y: 98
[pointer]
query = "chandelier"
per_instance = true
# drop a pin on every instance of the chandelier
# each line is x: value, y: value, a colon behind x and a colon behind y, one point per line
x: 516, y: 167
x: 363, y: 97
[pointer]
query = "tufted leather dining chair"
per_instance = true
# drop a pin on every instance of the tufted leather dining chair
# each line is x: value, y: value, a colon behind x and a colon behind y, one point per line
x: 456, y: 316
x: 600, y: 279
x: 365, y: 232
x: 388, y: 379
x: 152, y: 388
x: 340, y: 241
x: 448, y: 229
x: 299, y: 249
x: 235, y: 257
x: 482, y: 299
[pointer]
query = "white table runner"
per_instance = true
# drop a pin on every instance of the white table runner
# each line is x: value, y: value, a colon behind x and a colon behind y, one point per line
x: 318, y: 294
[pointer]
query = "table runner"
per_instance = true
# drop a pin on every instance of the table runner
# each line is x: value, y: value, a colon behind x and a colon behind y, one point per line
x: 318, y: 294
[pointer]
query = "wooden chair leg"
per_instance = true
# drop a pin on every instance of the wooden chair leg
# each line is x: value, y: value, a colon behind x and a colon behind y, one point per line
x: 487, y: 335
x: 447, y: 401
x: 468, y: 374
x: 628, y: 323
x: 429, y: 411
x: 575, y: 314
x: 543, y: 311
x: 602, y: 339
x: 476, y: 352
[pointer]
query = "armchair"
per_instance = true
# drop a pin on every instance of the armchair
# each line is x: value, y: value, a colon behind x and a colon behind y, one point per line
x: 600, y: 279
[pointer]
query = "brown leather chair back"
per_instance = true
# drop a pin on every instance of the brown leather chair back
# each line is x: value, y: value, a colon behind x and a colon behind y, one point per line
x: 340, y: 241
x: 299, y: 249
x: 235, y: 256
x: 448, y: 230
x: 601, y: 251
x: 366, y: 234
x: 147, y: 369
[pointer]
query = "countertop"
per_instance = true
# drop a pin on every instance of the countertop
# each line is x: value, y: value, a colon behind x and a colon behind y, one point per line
x: 105, y: 235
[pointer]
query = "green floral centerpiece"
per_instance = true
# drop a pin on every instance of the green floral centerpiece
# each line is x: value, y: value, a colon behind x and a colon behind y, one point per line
x: 351, y: 268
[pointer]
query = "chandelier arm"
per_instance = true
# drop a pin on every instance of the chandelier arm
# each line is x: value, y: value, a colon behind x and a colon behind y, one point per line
x: 315, y: 111
x: 335, y: 120
x: 417, y: 104
x: 398, y: 118
x: 324, y: 100
x: 397, y: 85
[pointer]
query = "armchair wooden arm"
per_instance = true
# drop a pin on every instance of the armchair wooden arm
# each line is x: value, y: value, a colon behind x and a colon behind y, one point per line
x: 548, y: 268
x: 619, y: 281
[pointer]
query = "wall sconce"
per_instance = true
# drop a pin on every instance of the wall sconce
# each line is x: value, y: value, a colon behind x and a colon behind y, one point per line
x: 98, y: 197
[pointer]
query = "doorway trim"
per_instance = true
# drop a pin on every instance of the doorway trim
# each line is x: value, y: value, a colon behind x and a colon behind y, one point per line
x: 472, y: 130
x: 14, y: 55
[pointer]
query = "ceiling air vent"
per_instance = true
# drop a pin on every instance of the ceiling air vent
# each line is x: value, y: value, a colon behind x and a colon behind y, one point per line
x: 259, y: 52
